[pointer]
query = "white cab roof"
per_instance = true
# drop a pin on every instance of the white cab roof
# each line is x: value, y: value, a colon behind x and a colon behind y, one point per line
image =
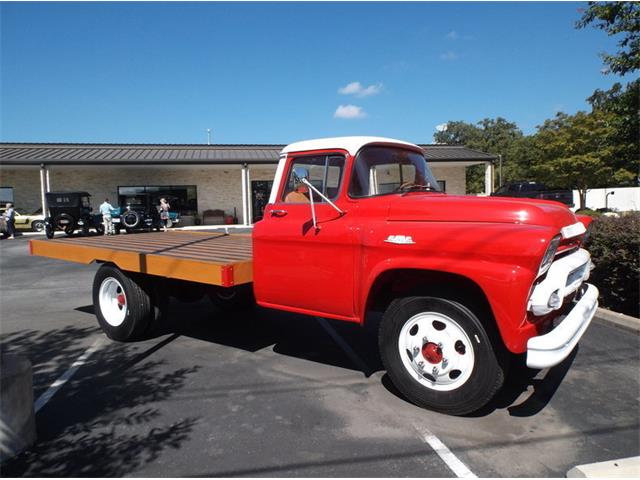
x: 350, y: 144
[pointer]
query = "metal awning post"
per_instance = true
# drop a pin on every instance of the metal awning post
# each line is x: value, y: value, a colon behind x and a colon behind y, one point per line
x: 249, y: 201
x: 44, y: 187
x: 488, y: 178
x: 245, y: 196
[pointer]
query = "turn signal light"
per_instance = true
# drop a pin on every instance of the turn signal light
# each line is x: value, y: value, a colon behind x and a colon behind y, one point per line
x: 554, y: 300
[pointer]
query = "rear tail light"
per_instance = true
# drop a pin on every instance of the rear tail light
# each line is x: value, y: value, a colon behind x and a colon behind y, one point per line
x: 547, y: 260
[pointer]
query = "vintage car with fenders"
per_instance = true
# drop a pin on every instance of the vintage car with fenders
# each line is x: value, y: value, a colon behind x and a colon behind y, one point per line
x: 358, y: 225
x: 70, y: 211
x: 140, y: 212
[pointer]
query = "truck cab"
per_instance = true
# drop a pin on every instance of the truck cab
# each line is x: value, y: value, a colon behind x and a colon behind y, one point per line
x: 358, y: 224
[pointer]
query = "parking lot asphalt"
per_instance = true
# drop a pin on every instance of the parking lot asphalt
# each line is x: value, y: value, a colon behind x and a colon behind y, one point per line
x: 266, y: 393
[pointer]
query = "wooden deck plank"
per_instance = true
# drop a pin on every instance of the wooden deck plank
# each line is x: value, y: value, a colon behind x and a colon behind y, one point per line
x: 215, y: 259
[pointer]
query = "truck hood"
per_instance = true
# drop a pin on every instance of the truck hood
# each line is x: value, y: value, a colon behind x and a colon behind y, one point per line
x: 430, y: 207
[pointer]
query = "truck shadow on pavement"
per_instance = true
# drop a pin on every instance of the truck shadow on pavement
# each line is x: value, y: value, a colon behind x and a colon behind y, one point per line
x: 303, y: 337
x: 105, y: 420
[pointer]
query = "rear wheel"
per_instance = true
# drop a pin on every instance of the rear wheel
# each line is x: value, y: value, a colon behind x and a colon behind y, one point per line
x: 124, y: 303
x: 438, y: 354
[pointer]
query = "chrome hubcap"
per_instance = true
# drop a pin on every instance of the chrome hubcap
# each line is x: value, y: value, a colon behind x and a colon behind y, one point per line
x: 113, y: 301
x: 436, y: 351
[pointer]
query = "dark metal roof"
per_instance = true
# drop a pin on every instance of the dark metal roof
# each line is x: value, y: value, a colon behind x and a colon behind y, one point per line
x: 454, y: 153
x: 132, y: 154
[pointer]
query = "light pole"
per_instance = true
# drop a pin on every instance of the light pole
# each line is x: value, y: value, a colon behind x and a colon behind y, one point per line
x: 208, y: 136
x: 606, y: 199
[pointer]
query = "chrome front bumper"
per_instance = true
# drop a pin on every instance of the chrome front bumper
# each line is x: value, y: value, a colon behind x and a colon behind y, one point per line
x: 552, y: 348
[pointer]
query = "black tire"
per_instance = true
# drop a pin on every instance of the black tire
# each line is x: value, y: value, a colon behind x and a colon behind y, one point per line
x: 233, y: 298
x: 48, y: 230
x: 37, y: 225
x: 478, y: 384
x: 99, y: 228
x: 130, y: 219
x: 139, y: 309
x: 117, y: 229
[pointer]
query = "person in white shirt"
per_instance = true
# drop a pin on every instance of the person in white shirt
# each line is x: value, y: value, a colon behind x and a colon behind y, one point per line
x: 105, y: 210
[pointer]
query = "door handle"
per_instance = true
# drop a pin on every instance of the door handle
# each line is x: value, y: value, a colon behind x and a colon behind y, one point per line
x: 278, y: 213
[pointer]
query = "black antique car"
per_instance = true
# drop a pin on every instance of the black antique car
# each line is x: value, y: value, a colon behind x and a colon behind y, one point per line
x: 140, y: 211
x: 70, y: 211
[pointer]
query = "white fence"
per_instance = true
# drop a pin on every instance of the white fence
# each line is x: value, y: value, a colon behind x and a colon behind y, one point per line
x: 620, y: 199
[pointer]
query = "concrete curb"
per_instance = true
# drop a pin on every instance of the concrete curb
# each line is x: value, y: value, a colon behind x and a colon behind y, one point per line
x: 624, y: 467
x: 17, y: 416
x: 618, y: 320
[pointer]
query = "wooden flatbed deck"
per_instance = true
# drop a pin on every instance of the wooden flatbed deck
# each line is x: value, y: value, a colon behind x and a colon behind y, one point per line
x: 212, y: 258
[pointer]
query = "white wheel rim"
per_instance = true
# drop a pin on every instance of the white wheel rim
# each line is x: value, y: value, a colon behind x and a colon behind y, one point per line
x: 113, y: 301
x: 436, y: 351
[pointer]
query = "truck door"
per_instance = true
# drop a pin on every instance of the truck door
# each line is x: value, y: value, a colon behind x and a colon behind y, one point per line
x: 299, y: 267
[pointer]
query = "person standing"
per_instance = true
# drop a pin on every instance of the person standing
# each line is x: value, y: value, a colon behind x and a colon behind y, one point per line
x: 10, y: 217
x: 164, y: 212
x: 107, y: 221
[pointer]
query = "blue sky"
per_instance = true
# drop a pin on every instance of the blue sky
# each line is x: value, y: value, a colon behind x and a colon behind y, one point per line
x: 274, y: 72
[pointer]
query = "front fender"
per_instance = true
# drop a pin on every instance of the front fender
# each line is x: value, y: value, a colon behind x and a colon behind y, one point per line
x: 501, y: 259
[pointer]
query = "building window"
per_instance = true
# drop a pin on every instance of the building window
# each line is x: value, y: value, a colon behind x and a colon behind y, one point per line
x: 182, y: 198
x: 6, y: 195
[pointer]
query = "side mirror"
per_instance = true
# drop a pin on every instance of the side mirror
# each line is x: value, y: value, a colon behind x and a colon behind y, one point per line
x: 299, y: 174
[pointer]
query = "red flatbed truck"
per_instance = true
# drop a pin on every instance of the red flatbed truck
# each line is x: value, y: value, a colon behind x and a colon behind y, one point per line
x: 356, y: 225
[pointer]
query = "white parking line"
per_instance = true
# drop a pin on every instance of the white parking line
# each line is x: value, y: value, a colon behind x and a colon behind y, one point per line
x: 64, y: 378
x: 453, y: 462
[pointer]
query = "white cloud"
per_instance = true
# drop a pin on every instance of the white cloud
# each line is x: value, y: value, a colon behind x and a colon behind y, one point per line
x: 441, y: 128
x: 349, y: 112
x: 452, y: 35
x: 448, y: 56
x: 359, y: 90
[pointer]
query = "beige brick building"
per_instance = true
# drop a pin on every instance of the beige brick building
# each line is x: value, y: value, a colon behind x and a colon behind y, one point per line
x: 210, y: 177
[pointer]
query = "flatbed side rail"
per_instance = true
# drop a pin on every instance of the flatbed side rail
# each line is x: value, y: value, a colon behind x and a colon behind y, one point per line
x: 225, y: 265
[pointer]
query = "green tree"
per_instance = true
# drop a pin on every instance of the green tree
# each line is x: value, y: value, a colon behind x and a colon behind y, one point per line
x: 624, y: 104
x: 496, y: 136
x: 617, y: 18
x: 576, y: 152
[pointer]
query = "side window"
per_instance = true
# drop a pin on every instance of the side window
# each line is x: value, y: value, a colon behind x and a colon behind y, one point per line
x: 325, y: 174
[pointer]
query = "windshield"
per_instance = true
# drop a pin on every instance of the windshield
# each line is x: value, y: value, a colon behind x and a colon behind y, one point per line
x: 384, y: 170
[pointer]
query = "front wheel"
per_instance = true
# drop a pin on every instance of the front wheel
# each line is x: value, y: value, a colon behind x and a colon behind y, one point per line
x: 438, y: 354
x: 37, y: 225
x: 48, y: 230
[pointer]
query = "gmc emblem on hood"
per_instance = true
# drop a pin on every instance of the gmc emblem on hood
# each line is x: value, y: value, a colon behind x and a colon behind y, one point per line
x: 400, y: 239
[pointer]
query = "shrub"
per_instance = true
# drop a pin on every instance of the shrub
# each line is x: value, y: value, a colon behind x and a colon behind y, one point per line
x: 589, y: 212
x: 615, y: 251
